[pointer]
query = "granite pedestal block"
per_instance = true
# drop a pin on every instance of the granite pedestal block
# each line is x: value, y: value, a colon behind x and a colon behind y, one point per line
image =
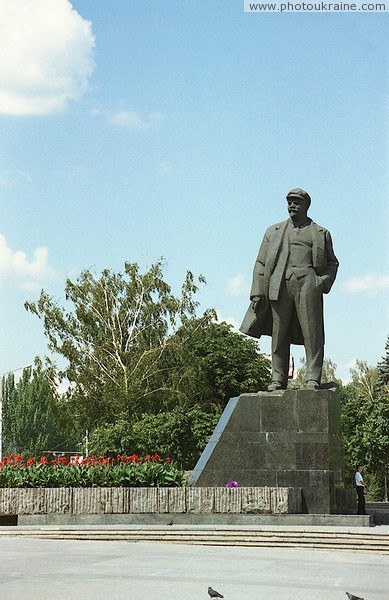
x: 289, y: 438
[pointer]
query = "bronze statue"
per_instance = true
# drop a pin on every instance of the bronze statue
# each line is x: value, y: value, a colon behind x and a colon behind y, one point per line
x: 295, y: 266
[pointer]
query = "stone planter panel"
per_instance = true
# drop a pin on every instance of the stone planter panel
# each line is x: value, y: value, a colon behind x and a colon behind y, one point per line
x: 256, y: 500
x: 228, y: 500
x: 31, y: 501
x: 163, y: 500
x: 200, y: 500
x: 59, y: 500
x: 92, y: 501
x: 9, y: 498
x: 177, y: 499
x: 285, y: 501
x: 143, y: 500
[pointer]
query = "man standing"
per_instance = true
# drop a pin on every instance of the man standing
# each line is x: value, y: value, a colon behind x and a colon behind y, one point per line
x: 361, y: 490
x: 295, y: 266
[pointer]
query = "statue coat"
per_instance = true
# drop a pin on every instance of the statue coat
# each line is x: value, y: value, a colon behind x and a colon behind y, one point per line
x: 268, y: 276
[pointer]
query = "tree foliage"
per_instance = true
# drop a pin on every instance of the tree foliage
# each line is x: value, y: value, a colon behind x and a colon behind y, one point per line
x: 31, y: 422
x: 365, y: 421
x: 145, y: 372
x: 328, y: 374
x: 180, y: 433
x: 115, y: 337
x: 228, y: 363
x: 383, y: 369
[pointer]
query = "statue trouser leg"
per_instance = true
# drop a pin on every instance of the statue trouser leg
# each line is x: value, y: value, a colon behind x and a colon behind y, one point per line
x: 282, y: 311
x: 308, y: 301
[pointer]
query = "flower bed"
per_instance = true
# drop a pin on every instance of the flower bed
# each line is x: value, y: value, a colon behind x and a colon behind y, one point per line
x: 122, y: 471
x: 125, y: 485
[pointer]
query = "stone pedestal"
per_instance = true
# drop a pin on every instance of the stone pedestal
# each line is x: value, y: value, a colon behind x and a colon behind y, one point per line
x: 289, y: 438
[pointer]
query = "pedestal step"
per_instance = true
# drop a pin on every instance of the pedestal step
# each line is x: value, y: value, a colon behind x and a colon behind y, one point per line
x: 347, y: 540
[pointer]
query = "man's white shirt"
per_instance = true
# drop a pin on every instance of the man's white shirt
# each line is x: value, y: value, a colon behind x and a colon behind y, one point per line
x: 358, y: 478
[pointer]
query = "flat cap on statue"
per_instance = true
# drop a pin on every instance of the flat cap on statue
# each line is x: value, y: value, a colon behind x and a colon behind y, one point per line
x: 299, y: 193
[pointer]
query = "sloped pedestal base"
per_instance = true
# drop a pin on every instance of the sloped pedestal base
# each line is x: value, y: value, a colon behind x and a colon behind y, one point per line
x: 289, y: 438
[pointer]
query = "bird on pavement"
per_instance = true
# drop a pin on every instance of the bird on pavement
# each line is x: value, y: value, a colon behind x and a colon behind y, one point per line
x: 352, y: 597
x: 214, y: 594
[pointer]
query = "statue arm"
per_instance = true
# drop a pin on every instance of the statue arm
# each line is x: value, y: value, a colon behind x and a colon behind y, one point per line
x: 329, y: 273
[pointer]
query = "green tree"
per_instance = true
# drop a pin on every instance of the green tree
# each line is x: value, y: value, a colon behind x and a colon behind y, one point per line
x: 31, y: 414
x: 215, y: 364
x: 382, y: 417
x: 328, y: 374
x: 142, y: 368
x: 365, y: 422
x: 115, y: 337
x: 180, y: 434
x: 227, y: 362
x: 383, y: 369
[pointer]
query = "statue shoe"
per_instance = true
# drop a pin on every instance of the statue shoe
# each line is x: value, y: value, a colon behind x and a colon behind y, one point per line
x: 276, y: 385
x: 313, y: 385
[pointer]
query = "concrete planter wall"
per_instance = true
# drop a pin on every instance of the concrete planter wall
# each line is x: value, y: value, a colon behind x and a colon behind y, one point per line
x: 102, y: 501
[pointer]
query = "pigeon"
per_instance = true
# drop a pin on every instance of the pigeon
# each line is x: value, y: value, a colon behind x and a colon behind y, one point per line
x: 214, y: 594
x: 352, y: 597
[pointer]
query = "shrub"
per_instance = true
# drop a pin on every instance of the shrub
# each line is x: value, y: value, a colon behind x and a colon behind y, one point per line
x: 122, y: 471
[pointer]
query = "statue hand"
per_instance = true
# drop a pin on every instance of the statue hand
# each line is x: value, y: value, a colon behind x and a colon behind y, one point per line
x: 255, y: 300
x: 320, y: 283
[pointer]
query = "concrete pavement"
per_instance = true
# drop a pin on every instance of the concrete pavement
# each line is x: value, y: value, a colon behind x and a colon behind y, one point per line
x: 43, y: 569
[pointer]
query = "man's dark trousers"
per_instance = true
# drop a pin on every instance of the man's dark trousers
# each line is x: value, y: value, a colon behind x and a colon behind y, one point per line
x: 361, y: 500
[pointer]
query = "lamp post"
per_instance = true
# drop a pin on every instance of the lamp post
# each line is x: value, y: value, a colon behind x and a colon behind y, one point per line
x: 1, y: 404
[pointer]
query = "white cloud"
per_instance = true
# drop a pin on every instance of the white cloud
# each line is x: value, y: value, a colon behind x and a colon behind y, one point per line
x: 164, y: 168
x: 27, y: 272
x: 344, y: 370
x: 129, y: 119
x: 238, y: 286
x: 229, y: 321
x: 14, y: 177
x: 370, y: 284
x: 45, y: 56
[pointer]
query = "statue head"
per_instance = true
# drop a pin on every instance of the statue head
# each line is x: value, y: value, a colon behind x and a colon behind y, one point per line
x: 299, y: 193
x: 299, y: 202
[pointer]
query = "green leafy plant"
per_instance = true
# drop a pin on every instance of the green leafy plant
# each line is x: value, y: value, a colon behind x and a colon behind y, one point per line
x: 122, y: 471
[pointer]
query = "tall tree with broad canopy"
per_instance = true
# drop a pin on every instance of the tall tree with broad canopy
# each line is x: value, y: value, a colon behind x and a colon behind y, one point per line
x: 114, y: 337
x: 365, y: 421
x: 133, y: 349
x: 383, y: 369
x: 31, y: 416
x: 229, y: 363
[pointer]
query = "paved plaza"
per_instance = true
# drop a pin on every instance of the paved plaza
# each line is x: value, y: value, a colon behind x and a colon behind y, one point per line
x: 34, y: 569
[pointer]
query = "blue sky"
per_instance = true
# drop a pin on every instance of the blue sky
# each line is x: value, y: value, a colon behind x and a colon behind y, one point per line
x: 132, y: 130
